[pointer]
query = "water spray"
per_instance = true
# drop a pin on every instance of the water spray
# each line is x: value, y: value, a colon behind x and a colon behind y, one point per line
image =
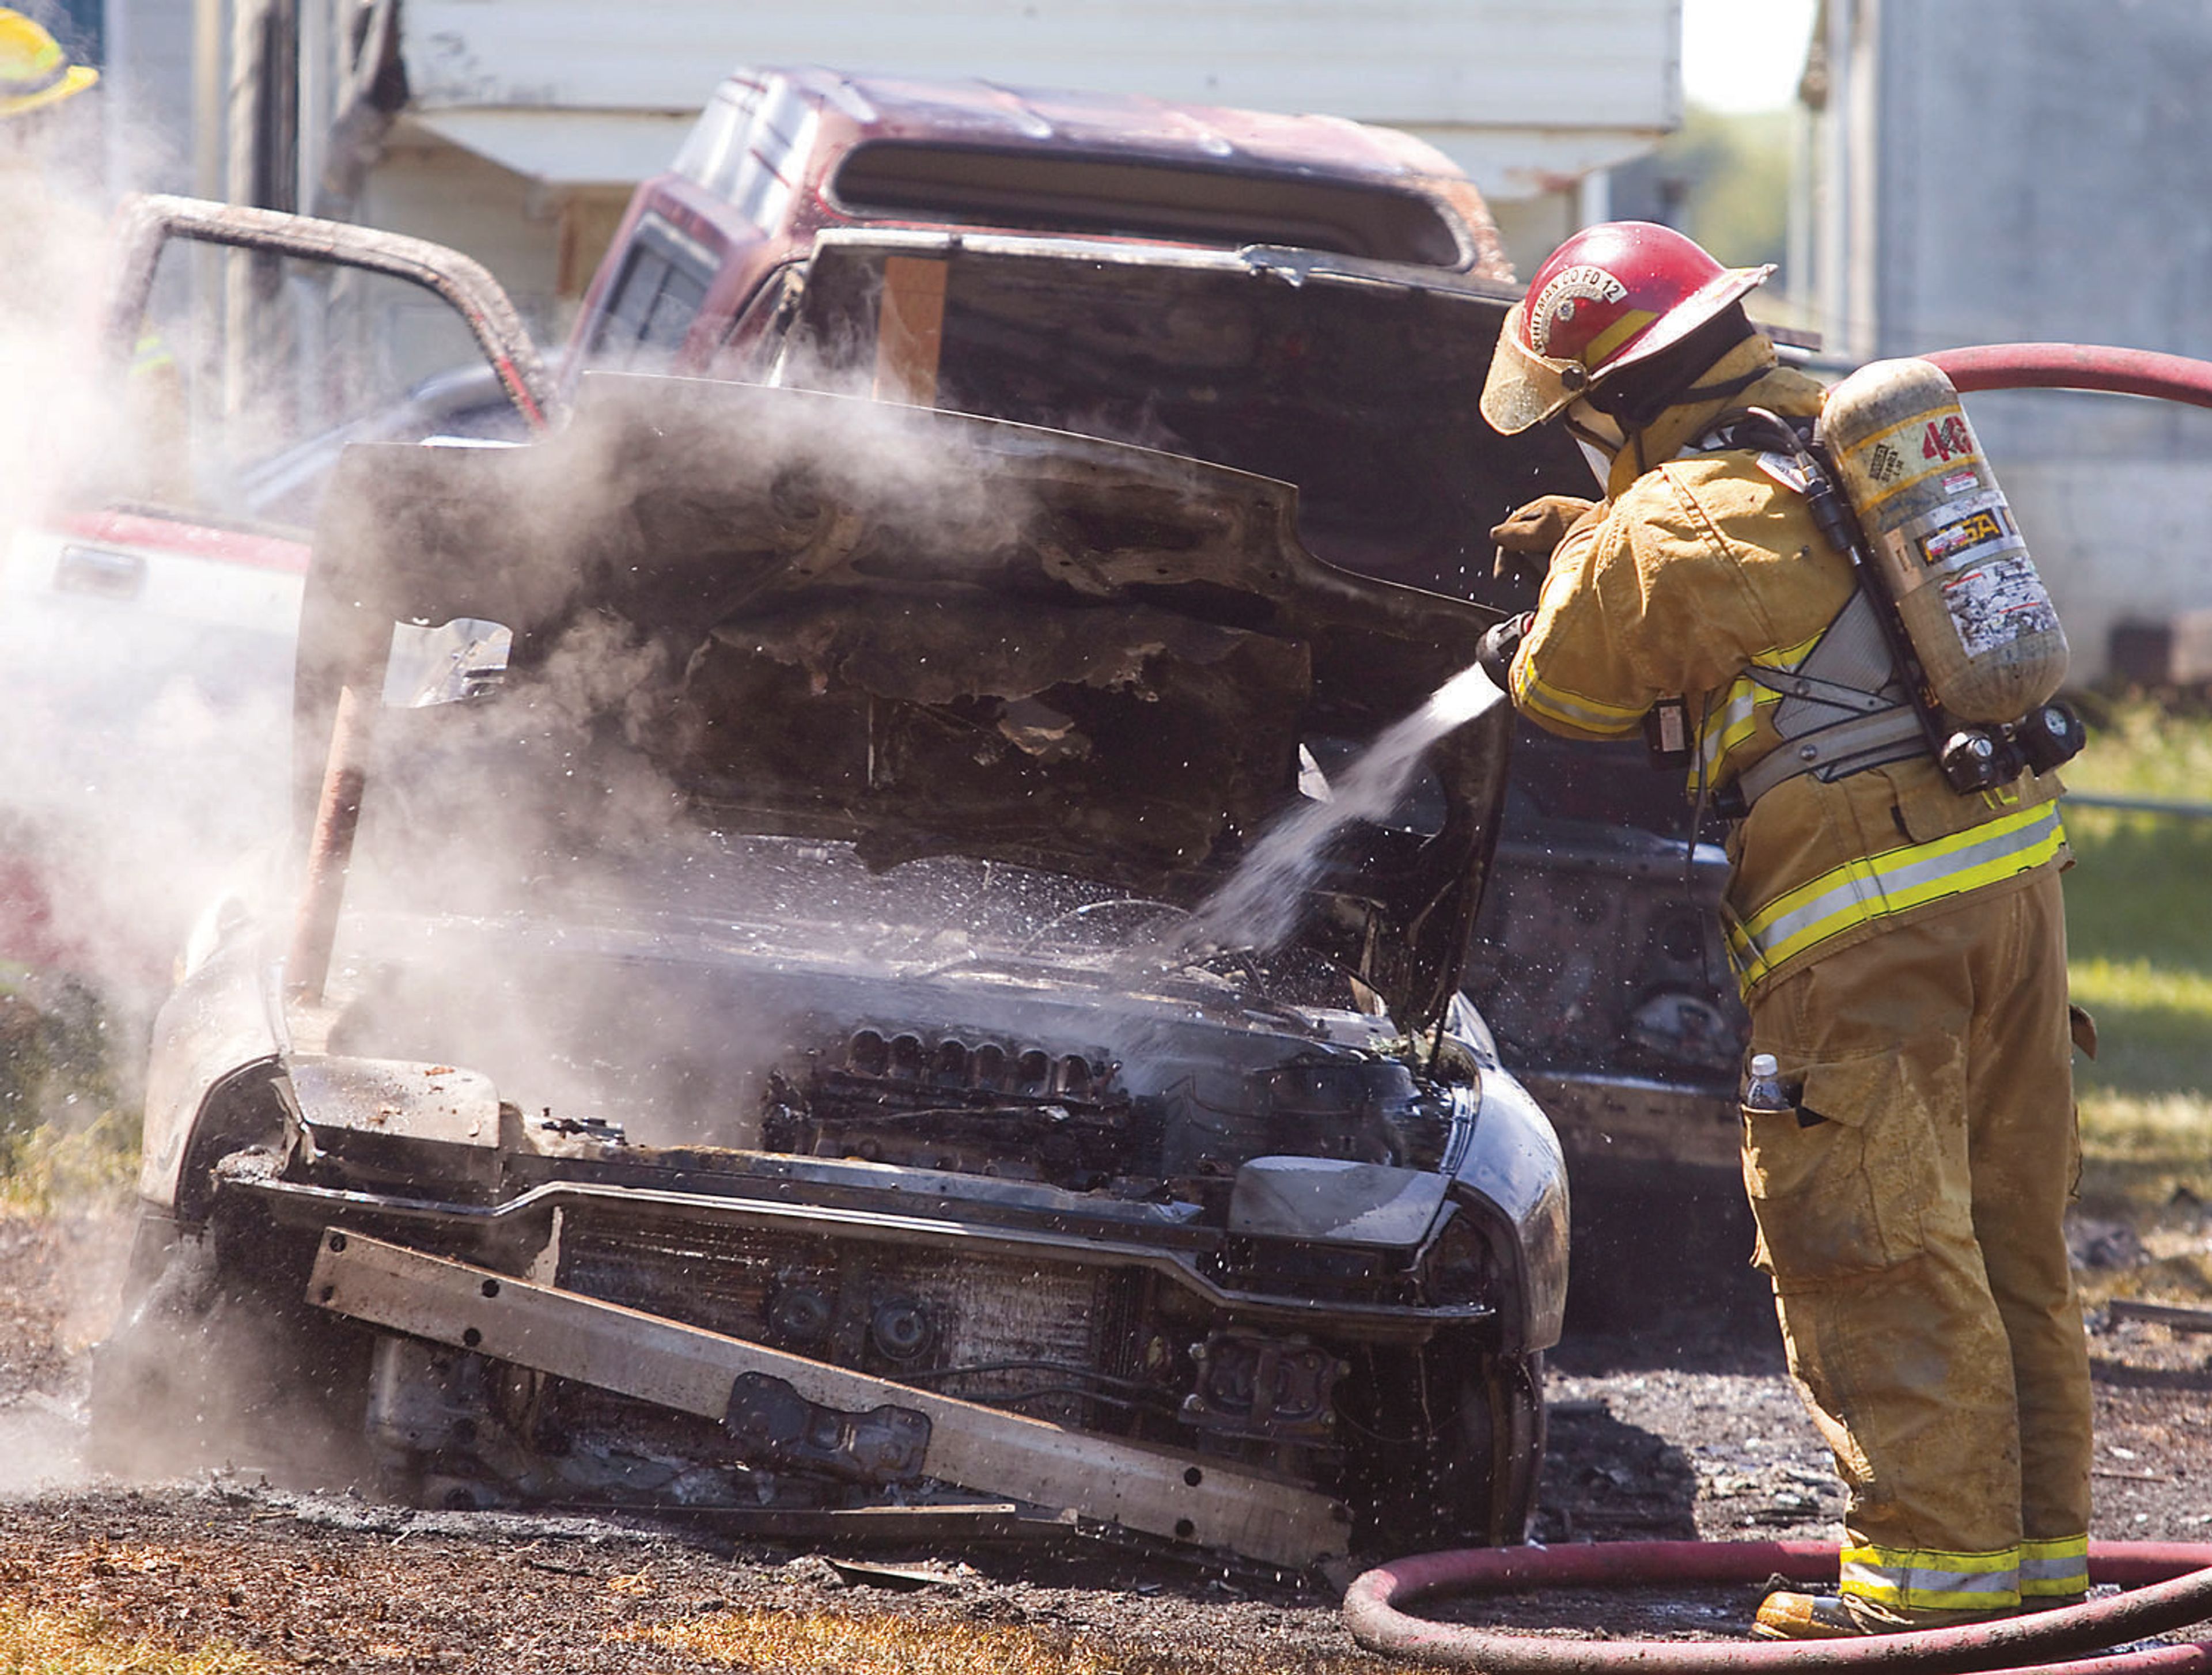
x: 1258, y: 907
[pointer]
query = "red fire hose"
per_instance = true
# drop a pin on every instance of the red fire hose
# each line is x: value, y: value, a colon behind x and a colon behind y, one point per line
x: 2170, y: 1583
x: 2132, y: 372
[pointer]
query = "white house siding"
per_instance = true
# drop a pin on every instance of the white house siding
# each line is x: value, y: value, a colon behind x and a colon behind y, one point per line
x: 1523, y: 96
x: 148, y: 105
x: 531, y: 120
x: 2031, y: 170
x: 2116, y: 541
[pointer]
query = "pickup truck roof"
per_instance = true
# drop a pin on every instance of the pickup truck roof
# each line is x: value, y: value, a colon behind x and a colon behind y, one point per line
x: 880, y: 149
x: 779, y: 156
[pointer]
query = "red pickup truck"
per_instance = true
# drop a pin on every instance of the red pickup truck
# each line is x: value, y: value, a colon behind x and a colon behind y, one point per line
x: 1110, y: 266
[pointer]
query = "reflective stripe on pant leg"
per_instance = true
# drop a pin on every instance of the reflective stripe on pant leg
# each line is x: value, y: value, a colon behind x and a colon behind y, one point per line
x: 1919, y: 1581
x: 2055, y: 1569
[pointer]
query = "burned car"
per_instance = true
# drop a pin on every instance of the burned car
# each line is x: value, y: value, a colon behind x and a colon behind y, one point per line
x: 1301, y: 298
x: 731, y: 1031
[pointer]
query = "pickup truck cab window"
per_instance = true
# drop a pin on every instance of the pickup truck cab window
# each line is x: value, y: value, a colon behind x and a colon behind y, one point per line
x: 1103, y: 194
x: 657, y: 295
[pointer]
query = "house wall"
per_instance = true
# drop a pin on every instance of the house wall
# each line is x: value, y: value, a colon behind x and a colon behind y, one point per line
x: 1527, y: 100
x: 1515, y: 70
x: 146, y: 70
x: 514, y: 226
x: 2033, y: 163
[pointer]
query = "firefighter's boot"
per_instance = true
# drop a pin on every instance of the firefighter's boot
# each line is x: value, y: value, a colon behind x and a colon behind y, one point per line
x: 1786, y: 1615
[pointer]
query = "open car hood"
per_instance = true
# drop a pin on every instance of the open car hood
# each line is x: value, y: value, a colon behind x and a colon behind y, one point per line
x: 1357, y: 380
x: 924, y: 633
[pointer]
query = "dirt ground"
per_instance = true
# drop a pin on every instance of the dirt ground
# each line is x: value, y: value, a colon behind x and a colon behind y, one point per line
x: 1687, y: 1428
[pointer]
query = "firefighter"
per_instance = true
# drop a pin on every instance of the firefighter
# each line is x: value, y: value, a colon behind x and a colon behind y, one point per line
x: 35, y: 73
x: 50, y: 240
x: 1900, y: 945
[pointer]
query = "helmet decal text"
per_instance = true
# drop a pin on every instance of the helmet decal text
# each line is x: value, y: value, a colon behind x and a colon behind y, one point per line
x: 1556, y: 302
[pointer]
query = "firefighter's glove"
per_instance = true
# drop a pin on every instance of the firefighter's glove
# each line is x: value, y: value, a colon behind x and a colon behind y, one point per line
x: 1531, y: 534
x: 1494, y: 656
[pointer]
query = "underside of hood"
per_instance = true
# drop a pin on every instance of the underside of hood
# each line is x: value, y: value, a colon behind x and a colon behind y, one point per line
x: 1357, y: 380
x: 923, y: 632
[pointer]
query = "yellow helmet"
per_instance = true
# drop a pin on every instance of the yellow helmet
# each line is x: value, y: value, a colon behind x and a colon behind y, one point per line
x: 35, y: 71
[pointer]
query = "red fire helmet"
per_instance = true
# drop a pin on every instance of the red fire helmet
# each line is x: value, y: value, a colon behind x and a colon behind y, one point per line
x: 1609, y: 298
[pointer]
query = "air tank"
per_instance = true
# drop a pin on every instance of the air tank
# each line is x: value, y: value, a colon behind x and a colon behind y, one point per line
x: 1941, y: 532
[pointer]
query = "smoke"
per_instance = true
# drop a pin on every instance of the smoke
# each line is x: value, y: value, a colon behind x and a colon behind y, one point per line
x: 125, y: 790
x: 539, y: 890
x: 51, y: 261
x: 117, y: 784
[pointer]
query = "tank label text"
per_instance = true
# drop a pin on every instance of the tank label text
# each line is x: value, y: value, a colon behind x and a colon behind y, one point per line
x: 1962, y: 538
x: 1911, y: 452
x: 1995, y: 604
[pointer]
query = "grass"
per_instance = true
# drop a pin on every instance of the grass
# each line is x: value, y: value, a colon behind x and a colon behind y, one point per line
x: 38, y: 1641
x: 842, y: 1643
x: 2139, y: 929
x: 81, y: 1162
x: 68, y: 1134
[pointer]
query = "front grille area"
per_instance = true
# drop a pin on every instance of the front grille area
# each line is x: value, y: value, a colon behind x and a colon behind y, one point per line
x: 1052, y: 1340
x: 982, y: 1107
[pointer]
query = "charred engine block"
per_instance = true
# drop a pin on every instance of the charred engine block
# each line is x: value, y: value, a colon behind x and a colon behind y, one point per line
x: 981, y: 1108
x: 1264, y: 1388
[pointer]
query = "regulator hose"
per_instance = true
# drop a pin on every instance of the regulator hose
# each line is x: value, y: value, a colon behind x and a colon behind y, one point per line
x: 2170, y: 1584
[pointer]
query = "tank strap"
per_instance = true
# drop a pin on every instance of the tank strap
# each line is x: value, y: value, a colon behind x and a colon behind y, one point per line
x: 1844, y: 707
x: 1836, y: 752
x: 1720, y: 436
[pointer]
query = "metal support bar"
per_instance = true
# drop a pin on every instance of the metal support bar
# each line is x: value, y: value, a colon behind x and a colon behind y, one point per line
x: 1160, y: 1492
x: 144, y: 222
x: 2174, y: 1317
x: 345, y: 777
x: 745, y: 1204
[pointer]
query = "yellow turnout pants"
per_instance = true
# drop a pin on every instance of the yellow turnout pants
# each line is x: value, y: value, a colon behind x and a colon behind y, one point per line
x: 1909, y: 1215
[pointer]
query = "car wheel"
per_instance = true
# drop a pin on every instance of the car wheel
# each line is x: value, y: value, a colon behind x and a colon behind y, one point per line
x: 208, y: 1364
x: 1446, y: 1449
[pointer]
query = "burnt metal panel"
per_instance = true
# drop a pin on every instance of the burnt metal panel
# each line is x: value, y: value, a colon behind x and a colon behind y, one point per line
x: 1185, y: 1497
x: 854, y: 558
